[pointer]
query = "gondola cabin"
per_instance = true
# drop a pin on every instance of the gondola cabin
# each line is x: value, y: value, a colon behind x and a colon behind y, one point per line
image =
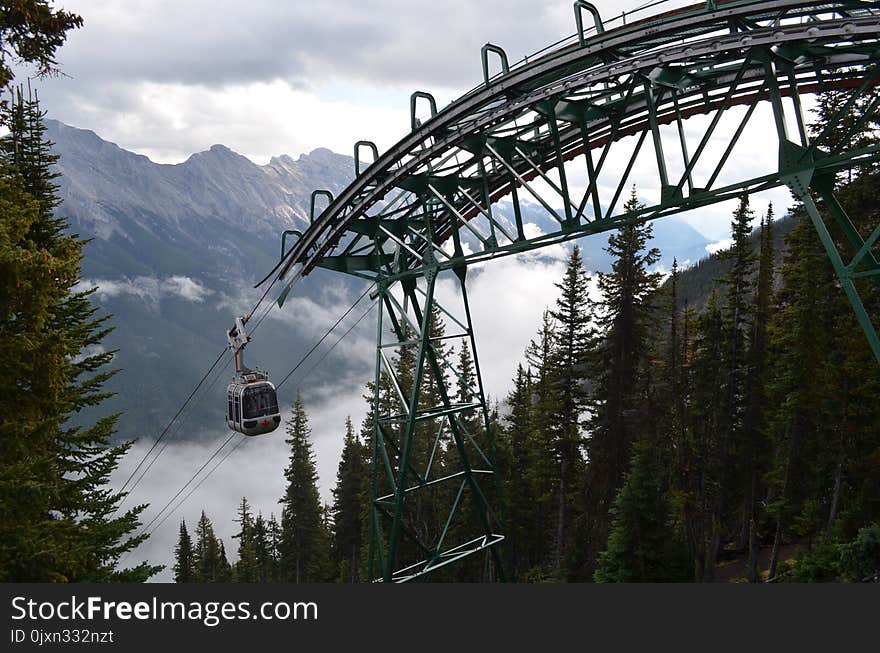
x: 252, y: 406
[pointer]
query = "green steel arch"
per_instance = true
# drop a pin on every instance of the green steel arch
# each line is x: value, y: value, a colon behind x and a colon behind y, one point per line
x: 565, y: 129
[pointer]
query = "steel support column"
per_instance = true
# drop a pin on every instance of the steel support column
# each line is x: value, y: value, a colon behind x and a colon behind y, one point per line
x: 433, y: 449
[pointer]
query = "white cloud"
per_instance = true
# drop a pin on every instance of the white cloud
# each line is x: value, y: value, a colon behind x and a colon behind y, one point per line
x: 714, y: 248
x: 149, y: 289
x: 87, y: 352
x: 507, y: 299
x: 187, y: 288
x: 255, y: 470
x: 280, y: 77
x: 259, y: 119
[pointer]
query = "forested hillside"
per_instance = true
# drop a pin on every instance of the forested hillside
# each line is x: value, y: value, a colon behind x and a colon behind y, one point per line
x: 696, y: 282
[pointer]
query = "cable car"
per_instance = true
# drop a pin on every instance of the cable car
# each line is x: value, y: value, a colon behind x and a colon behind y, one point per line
x: 251, y: 402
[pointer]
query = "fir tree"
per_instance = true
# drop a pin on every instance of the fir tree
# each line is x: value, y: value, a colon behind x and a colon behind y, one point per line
x: 304, y: 543
x: 57, y: 518
x: 736, y: 316
x: 513, y: 464
x: 348, y: 502
x: 273, y: 544
x: 246, y: 568
x: 209, y: 559
x: 755, y: 450
x: 30, y: 32
x: 643, y: 545
x: 184, y: 560
x: 703, y: 457
x: 541, y: 470
x: 624, y: 328
x: 573, y: 343
x: 263, y: 555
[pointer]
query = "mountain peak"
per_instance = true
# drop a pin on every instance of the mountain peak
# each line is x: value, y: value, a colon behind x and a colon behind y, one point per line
x: 219, y: 157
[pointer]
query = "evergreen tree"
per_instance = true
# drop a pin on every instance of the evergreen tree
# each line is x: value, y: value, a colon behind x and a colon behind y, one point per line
x: 348, y: 502
x: 273, y: 544
x: 246, y: 568
x: 736, y: 319
x: 304, y: 543
x: 184, y: 560
x: 263, y: 554
x: 209, y: 559
x: 643, y: 546
x: 703, y: 457
x: 30, y: 32
x: 624, y: 323
x: 541, y: 470
x: 573, y: 343
x: 755, y: 450
x: 57, y: 518
x: 513, y: 463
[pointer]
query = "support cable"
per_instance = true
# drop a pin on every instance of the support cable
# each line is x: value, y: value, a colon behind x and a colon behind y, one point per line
x: 179, y: 415
x: 164, y: 513
x: 168, y: 425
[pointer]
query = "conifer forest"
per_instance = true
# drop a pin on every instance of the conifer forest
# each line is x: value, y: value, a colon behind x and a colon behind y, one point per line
x: 716, y: 422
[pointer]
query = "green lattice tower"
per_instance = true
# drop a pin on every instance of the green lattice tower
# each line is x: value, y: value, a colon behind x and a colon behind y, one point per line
x: 582, y: 116
x: 433, y: 447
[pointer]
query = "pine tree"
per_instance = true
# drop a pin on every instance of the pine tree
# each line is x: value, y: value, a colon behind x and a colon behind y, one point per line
x: 209, y: 559
x: 541, y: 471
x: 304, y: 543
x: 573, y: 343
x: 800, y: 338
x: 703, y: 457
x: 348, y: 502
x: 30, y: 32
x: 246, y: 569
x: 644, y: 546
x: 263, y: 554
x: 57, y: 517
x: 736, y: 316
x: 513, y: 463
x: 184, y: 561
x: 666, y: 414
x: 273, y: 542
x: 624, y: 330
x: 755, y: 450
x: 466, y: 387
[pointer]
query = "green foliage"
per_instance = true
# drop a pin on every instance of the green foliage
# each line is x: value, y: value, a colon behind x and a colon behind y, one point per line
x: 348, y: 500
x: 305, y: 544
x: 58, y: 520
x: 644, y: 545
x: 829, y: 561
x: 184, y: 560
x: 513, y: 461
x: 210, y: 562
x: 860, y: 559
x: 625, y: 327
x: 246, y: 569
x: 30, y: 33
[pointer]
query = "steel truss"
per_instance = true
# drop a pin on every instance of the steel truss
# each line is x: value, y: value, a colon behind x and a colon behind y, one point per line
x: 565, y: 130
x: 417, y: 427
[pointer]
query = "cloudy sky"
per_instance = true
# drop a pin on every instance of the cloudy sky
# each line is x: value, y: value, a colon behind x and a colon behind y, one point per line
x: 167, y: 78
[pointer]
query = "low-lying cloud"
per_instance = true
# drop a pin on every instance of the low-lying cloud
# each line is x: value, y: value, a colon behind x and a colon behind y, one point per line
x: 149, y: 289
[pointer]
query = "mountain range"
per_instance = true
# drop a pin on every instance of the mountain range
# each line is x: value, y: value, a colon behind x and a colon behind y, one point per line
x: 175, y: 249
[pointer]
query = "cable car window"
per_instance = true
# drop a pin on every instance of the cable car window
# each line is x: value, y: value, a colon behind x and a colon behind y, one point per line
x: 236, y: 402
x: 230, y: 409
x: 260, y: 401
